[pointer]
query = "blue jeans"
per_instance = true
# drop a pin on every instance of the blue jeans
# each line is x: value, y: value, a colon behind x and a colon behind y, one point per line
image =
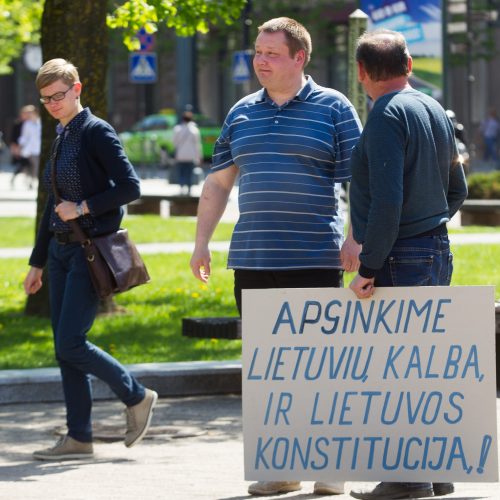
x: 422, y: 261
x: 490, y: 148
x: 73, y: 304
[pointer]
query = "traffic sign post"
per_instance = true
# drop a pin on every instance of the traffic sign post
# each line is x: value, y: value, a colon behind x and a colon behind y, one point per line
x: 242, y: 66
x: 147, y: 40
x: 143, y: 67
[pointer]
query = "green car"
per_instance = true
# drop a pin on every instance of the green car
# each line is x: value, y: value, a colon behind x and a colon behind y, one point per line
x: 150, y: 142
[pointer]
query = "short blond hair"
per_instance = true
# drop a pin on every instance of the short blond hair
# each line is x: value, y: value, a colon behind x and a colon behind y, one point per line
x: 297, y: 37
x: 54, y: 70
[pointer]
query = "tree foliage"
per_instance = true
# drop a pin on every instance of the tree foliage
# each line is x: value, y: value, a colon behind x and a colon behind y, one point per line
x: 20, y: 20
x: 19, y: 24
x: 187, y: 17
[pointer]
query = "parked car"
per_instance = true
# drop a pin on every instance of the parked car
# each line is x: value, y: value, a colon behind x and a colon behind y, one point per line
x: 150, y: 141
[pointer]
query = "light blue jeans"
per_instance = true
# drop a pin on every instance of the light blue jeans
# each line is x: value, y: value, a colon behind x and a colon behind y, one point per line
x: 73, y: 304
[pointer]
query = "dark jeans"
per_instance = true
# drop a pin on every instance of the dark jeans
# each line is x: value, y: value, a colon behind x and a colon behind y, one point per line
x: 185, y: 173
x: 74, y: 303
x: 300, y: 278
x: 490, y: 148
x: 423, y: 261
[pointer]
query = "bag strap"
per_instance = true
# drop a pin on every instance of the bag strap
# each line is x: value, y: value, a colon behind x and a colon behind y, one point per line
x: 75, y: 227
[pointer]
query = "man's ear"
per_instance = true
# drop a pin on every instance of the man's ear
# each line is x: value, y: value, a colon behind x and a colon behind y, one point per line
x: 300, y: 57
x: 78, y: 88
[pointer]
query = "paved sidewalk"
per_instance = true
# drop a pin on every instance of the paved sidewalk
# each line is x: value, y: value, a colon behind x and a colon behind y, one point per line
x: 17, y: 200
x: 194, y: 450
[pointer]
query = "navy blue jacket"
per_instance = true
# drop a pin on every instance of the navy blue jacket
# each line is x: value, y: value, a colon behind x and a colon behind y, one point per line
x: 108, y: 181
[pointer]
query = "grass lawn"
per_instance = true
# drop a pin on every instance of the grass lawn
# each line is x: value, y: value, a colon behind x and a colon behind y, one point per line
x: 20, y: 231
x: 150, y: 329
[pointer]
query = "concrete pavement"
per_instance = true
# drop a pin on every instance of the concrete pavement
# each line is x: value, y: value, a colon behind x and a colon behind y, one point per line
x: 18, y: 200
x: 194, y: 450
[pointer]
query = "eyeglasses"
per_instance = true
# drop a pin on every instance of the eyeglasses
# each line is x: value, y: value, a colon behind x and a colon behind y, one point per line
x: 58, y: 96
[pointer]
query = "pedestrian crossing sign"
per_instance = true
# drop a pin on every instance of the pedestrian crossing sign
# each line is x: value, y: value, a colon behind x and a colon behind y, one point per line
x: 242, y: 64
x: 143, y: 67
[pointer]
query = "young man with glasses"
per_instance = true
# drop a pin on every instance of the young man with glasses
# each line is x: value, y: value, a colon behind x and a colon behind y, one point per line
x: 94, y: 179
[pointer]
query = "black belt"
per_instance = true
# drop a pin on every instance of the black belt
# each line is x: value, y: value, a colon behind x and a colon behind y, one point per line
x: 65, y: 238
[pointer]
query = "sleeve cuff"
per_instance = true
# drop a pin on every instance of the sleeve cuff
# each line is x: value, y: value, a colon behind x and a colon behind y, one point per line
x: 366, y: 272
x: 90, y: 208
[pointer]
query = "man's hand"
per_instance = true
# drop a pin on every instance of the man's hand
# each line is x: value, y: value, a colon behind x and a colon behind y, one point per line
x: 200, y: 264
x: 213, y: 201
x: 66, y: 210
x: 33, y: 280
x: 362, y: 287
x: 349, y: 254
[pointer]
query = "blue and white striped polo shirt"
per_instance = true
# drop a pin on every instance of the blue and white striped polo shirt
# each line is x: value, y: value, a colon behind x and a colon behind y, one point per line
x: 290, y: 158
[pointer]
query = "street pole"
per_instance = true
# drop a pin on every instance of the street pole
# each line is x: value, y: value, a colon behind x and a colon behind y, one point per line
x: 247, y: 23
x: 184, y: 55
x: 470, y: 76
x: 444, y: 56
x: 358, y: 23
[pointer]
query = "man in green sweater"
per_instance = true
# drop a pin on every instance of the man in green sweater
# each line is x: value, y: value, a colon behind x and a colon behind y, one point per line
x: 407, y: 183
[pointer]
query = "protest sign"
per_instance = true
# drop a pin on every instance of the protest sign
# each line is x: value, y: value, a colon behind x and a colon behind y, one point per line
x: 400, y: 387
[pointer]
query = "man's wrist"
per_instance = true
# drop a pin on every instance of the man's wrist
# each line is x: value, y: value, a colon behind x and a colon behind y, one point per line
x: 79, y: 209
x: 82, y: 208
x: 366, y: 272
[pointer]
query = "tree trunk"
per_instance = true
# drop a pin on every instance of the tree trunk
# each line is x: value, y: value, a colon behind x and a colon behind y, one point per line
x: 75, y: 31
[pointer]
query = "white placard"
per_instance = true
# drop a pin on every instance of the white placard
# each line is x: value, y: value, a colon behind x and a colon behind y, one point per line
x: 400, y: 387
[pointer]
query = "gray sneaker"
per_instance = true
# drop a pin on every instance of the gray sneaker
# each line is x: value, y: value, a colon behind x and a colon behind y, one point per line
x: 139, y: 418
x: 266, y: 488
x: 321, y: 488
x: 66, y: 448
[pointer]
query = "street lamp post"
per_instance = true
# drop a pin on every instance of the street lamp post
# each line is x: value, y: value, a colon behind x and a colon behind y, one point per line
x: 358, y: 23
x: 470, y: 75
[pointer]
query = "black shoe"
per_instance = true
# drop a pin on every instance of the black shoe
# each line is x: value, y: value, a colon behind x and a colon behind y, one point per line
x: 441, y: 489
x: 395, y: 491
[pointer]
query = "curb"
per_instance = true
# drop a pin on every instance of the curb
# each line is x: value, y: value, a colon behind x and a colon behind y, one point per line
x: 43, y: 385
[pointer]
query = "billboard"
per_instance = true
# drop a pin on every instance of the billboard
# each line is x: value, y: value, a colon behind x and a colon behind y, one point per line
x: 420, y: 22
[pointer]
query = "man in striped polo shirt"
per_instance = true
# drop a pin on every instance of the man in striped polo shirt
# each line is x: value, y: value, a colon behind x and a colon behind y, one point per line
x: 291, y: 143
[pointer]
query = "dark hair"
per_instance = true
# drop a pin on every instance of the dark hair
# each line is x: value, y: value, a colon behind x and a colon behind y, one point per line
x: 297, y: 37
x: 383, y: 54
x: 187, y: 116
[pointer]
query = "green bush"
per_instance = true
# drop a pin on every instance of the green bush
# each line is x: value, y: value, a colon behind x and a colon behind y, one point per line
x: 484, y: 186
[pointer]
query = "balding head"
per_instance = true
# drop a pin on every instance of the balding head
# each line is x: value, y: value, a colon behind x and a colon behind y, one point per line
x: 383, y: 54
